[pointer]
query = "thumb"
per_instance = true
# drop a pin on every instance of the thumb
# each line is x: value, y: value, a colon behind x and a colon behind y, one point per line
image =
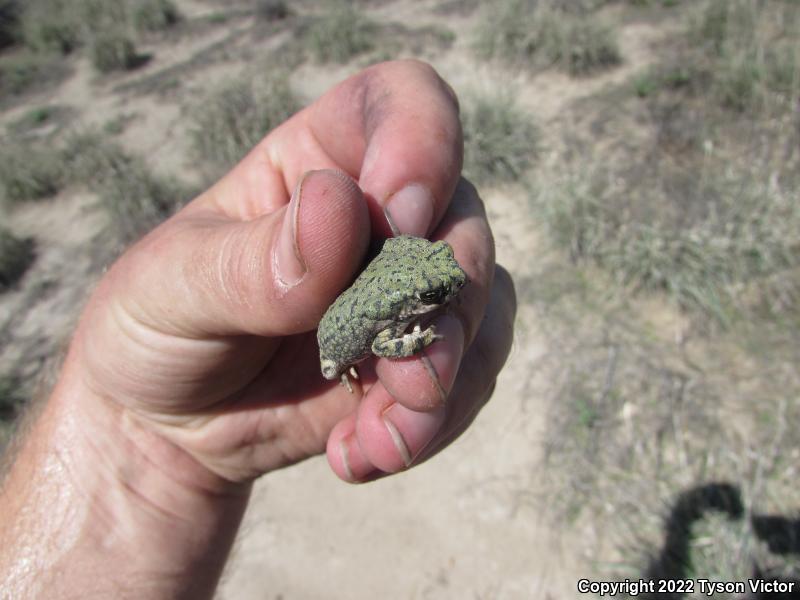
x: 204, y: 274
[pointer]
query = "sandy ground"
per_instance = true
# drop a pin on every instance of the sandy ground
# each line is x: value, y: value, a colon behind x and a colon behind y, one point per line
x: 468, y: 524
x: 465, y: 524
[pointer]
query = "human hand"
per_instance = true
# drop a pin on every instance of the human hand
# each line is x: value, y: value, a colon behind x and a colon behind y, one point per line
x: 201, y: 337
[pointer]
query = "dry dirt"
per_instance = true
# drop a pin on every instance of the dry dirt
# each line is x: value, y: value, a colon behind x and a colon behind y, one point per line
x: 466, y: 524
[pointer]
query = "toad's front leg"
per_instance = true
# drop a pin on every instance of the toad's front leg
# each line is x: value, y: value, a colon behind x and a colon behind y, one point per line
x: 393, y: 343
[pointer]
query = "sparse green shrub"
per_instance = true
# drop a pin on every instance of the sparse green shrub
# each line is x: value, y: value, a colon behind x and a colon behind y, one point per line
x: 28, y: 172
x: 511, y: 33
x: 500, y: 140
x: 272, y: 10
x: 737, y: 230
x: 16, y: 255
x: 88, y: 157
x: 587, y: 46
x: 739, y: 85
x: 100, y: 16
x: 672, y: 77
x: 341, y: 34
x: 235, y: 116
x: 155, y: 15
x: 723, y: 24
x: 9, y: 22
x: 135, y: 198
x: 104, y: 26
x: 533, y: 35
x: 51, y: 25
x: 218, y: 18
x: 19, y: 74
x: 782, y: 65
x: 749, y: 64
x: 23, y: 71
x: 113, y: 50
x: 578, y: 217
x: 727, y: 32
x: 117, y: 125
x: 644, y: 85
x: 37, y: 117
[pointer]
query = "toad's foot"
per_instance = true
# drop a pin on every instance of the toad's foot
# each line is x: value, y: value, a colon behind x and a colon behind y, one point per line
x: 345, y: 378
x: 407, y: 345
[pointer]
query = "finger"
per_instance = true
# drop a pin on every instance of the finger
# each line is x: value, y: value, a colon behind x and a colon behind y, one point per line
x: 414, y: 146
x: 424, y: 382
x: 344, y: 455
x: 388, y: 436
x: 391, y: 436
x: 274, y: 275
x: 394, y: 127
x: 480, y: 367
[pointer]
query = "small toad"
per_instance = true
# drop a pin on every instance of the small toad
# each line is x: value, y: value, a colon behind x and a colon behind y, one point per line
x: 410, y: 277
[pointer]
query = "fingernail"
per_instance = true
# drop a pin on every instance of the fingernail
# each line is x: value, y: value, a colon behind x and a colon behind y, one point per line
x: 444, y: 357
x: 289, y: 264
x: 355, y: 465
x: 410, y: 211
x: 344, y: 454
x: 411, y: 431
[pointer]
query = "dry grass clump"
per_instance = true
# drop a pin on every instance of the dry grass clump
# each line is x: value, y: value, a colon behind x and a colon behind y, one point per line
x: 535, y: 35
x: 9, y: 22
x: 751, y: 51
x: 113, y: 50
x: 135, y: 198
x: 702, y: 250
x: 23, y: 71
x: 340, y: 34
x: 500, y: 139
x: 87, y: 155
x: 738, y: 55
x: 40, y: 121
x: 235, y: 116
x: 51, y: 26
x: 155, y: 15
x: 28, y: 172
x: 106, y: 27
x: 271, y: 10
x: 33, y: 118
x: 16, y: 255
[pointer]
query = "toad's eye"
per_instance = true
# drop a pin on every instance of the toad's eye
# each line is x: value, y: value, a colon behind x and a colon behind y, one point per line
x: 432, y: 296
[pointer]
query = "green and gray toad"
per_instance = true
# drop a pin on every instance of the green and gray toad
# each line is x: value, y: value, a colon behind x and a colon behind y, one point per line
x: 409, y: 278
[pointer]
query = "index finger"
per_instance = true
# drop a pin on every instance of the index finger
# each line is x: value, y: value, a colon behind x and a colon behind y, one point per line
x: 395, y: 127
